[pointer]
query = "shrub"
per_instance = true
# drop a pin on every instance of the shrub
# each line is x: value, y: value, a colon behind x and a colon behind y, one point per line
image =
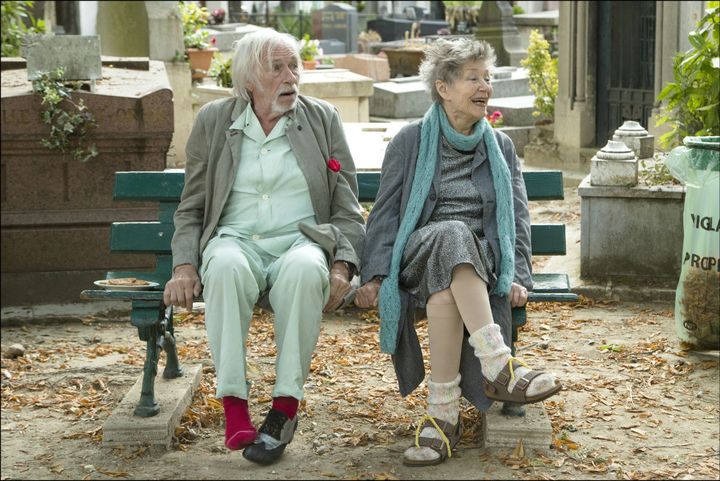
x: 14, y: 28
x: 194, y: 19
x: 693, y: 100
x: 543, y: 75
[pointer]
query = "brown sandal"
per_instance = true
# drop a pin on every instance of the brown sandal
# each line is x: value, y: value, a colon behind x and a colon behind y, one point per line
x: 497, y: 390
x: 450, y: 434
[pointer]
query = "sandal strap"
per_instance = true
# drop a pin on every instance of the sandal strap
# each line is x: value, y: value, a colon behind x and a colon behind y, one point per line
x: 523, y: 383
x: 449, y: 434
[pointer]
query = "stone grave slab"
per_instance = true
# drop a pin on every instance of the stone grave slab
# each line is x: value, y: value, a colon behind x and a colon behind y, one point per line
x: 79, y: 55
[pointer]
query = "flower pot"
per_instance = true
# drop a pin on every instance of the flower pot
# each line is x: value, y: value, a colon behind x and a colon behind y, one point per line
x: 200, y: 61
x: 309, y: 64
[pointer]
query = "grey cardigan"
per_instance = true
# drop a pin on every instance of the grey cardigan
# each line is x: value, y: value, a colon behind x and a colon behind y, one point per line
x: 398, y: 170
x: 315, y: 134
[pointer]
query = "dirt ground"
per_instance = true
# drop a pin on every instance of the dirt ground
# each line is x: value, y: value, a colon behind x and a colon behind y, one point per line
x: 634, y: 404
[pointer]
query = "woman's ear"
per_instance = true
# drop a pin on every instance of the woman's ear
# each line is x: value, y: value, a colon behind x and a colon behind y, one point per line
x: 441, y: 88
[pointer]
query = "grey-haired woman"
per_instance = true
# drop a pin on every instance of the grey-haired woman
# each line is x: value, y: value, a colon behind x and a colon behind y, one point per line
x: 450, y: 231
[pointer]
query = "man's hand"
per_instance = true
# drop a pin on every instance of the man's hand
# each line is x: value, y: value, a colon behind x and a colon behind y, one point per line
x: 367, y: 295
x: 339, y: 286
x: 184, y: 285
x: 518, y: 295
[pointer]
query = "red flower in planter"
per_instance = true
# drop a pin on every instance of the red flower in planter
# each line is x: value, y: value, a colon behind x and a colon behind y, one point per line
x: 495, y: 119
x: 213, y: 41
x: 333, y: 164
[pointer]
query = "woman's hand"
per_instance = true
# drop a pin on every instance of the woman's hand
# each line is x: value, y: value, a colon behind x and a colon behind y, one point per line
x: 518, y: 295
x: 367, y: 295
x: 183, y: 287
x: 339, y: 286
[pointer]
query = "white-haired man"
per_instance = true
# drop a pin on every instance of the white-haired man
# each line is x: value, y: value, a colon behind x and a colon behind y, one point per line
x: 269, y: 212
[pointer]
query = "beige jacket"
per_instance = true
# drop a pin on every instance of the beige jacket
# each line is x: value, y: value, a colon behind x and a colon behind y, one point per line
x: 213, y: 151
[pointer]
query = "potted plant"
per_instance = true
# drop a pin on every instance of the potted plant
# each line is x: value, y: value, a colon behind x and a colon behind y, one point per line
x: 198, y: 48
x: 308, y: 51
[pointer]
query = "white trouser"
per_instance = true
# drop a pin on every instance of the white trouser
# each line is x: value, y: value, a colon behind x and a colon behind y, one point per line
x: 234, y: 273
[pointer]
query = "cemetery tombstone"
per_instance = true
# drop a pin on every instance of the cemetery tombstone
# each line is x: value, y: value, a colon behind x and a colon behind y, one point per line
x: 337, y: 21
x: 79, y: 55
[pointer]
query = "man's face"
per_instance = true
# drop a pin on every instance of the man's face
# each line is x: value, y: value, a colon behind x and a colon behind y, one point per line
x: 277, y: 88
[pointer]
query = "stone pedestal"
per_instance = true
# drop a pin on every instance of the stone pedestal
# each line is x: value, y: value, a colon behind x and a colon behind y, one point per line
x: 614, y: 165
x: 56, y: 211
x: 631, y: 233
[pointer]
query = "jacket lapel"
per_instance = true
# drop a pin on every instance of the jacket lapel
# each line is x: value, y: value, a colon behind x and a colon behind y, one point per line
x: 310, y: 159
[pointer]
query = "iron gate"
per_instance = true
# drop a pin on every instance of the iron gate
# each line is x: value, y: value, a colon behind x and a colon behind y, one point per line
x: 626, y: 65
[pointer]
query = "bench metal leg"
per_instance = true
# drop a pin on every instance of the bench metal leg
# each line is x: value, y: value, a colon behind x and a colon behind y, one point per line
x: 172, y: 366
x: 147, y: 406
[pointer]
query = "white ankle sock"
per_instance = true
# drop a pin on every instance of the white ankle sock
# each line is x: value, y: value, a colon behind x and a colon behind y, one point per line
x: 443, y: 404
x: 490, y: 348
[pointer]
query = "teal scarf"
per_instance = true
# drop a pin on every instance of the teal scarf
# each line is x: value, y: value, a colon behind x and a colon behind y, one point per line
x: 436, y: 120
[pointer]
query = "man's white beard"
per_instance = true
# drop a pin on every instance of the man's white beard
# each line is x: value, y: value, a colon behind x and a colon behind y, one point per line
x: 275, y: 107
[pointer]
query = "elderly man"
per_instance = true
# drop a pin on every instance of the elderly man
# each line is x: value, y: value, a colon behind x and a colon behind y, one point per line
x: 269, y: 212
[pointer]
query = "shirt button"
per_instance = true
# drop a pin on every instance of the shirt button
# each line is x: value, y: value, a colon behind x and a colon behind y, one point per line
x: 255, y: 237
x: 265, y: 197
x: 264, y: 151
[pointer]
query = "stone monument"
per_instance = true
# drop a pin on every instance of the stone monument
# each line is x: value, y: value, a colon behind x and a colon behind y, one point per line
x: 497, y: 27
x: 338, y: 21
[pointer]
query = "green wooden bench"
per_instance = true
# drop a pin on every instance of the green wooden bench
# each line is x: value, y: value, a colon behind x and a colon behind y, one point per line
x: 154, y: 320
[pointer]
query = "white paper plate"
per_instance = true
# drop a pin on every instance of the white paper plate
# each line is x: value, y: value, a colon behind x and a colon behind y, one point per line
x: 115, y: 287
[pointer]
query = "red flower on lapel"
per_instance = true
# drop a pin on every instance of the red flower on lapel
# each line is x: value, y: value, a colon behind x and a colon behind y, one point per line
x: 333, y: 164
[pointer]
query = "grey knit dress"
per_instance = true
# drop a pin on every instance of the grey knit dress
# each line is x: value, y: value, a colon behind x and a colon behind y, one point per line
x: 452, y: 236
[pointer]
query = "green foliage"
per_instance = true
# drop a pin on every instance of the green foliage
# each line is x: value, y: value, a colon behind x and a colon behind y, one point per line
x: 693, y: 100
x: 309, y: 48
x: 194, y: 19
x: 69, y: 121
x: 221, y: 70
x: 14, y: 28
x: 518, y: 10
x: 542, y: 74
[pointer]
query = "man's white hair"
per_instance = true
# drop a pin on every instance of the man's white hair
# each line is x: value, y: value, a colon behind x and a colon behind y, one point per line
x: 253, y: 53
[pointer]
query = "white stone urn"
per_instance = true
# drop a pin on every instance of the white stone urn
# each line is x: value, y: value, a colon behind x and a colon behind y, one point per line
x: 614, y: 165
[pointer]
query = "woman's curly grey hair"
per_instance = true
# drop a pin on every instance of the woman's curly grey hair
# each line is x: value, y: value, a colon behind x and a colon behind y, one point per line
x: 250, y: 53
x: 444, y: 60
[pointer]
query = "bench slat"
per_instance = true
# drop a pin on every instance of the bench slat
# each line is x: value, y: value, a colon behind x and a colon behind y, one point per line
x: 548, y: 239
x: 547, y: 283
x: 540, y: 185
x: 149, y: 185
x: 141, y: 237
x: 168, y: 185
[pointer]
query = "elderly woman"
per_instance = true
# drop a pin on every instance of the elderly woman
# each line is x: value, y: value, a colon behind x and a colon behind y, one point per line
x: 269, y: 212
x: 450, y: 231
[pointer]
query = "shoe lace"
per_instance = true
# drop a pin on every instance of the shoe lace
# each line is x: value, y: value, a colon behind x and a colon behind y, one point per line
x: 510, y: 365
x: 440, y: 431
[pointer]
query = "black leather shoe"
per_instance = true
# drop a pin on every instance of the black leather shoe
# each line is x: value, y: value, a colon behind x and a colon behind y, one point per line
x: 279, y: 427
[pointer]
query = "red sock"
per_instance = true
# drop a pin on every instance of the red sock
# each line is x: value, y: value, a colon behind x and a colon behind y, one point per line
x: 287, y: 405
x: 239, y: 430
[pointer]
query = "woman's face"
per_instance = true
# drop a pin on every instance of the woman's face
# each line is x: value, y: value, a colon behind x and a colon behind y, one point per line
x: 466, y: 98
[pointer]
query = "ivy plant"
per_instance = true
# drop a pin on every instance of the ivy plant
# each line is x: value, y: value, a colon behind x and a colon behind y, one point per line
x: 542, y: 75
x: 69, y: 121
x: 693, y: 99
